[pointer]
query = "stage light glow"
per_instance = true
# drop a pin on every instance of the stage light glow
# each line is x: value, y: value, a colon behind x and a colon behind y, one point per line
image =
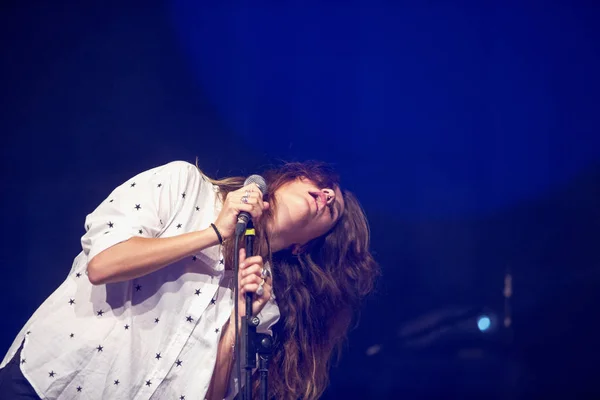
x: 371, y: 351
x: 483, y: 323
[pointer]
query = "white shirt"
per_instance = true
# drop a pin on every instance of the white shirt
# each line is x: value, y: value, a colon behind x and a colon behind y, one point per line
x: 153, y: 337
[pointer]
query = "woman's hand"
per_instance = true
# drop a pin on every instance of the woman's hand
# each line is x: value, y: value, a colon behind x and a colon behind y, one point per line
x: 252, y: 275
x: 249, y: 199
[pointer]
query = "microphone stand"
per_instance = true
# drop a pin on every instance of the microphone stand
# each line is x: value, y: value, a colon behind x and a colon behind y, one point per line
x: 254, y: 343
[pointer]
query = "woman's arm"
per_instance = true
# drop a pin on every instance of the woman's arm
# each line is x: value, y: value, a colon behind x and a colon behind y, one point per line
x: 140, y: 256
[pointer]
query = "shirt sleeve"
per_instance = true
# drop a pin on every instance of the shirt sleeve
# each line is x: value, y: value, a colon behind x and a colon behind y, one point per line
x: 142, y: 206
x: 268, y: 317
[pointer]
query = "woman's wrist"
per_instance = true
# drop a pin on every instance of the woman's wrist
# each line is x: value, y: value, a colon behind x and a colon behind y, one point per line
x: 209, y: 235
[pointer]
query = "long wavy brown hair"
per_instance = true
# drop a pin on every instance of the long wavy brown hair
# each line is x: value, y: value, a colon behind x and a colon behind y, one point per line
x: 318, y: 291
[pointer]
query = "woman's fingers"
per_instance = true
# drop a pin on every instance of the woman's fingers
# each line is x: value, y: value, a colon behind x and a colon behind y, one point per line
x: 252, y: 208
x: 252, y: 195
x: 242, y: 257
x: 250, y: 261
x: 248, y: 194
x: 251, y: 279
x: 248, y: 199
x: 254, y: 278
x: 253, y: 287
x: 252, y: 270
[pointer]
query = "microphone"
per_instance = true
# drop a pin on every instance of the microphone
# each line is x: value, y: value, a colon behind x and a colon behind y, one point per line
x: 244, y: 217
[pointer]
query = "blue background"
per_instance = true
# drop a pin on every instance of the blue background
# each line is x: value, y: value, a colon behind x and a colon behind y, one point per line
x: 469, y: 132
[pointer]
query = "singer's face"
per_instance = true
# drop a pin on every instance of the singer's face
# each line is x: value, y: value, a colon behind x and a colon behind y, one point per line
x: 304, y: 212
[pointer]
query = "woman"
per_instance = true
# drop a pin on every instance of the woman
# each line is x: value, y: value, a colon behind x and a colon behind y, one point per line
x: 147, y: 309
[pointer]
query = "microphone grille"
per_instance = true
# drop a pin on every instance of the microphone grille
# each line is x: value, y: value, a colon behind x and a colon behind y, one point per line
x: 260, y: 182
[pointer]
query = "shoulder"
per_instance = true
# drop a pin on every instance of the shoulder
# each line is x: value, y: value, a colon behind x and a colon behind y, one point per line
x: 179, y: 166
x: 182, y: 169
x: 185, y: 171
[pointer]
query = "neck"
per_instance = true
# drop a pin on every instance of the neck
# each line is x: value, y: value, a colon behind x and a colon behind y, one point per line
x: 276, y: 241
x: 277, y: 244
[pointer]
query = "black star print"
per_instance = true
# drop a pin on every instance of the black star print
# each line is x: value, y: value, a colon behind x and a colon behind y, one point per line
x: 148, y: 383
x: 110, y: 224
x: 221, y: 261
x: 79, y: 388
x: 194, y: 258
x: 217, y: 330
x: 189, y: 318
x: 179, y: 362
x: 126, y: 327
x: 140, y: 232
x: 178, y: 226
x: 138, y: 287
x: 99, y: 313
x: 197, y: 208
x: 197, y: 292
x: 111, y: 200
x: 182, y: 397
x: 100, y: 348
x: 213, y: 301
x: 72, y: 335
x: 183, y: 195
x: 23, y: 361
x: 28, y: 332
x: 159, y: 185
x: 77, y: 275
x: 117, y: 382
x: 138, y: 207
x: 161, y: 221
x: 71, y: 301
x: 156, y: 320
x: 158, y: 356
x: 133, y: 184
x: 51, y: 374
x: 87, y: 227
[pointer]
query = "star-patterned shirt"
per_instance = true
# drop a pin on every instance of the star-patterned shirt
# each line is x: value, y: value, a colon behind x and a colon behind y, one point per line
x: 154, y: 337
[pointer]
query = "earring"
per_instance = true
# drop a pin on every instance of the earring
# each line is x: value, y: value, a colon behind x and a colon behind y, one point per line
x: 297, y: 250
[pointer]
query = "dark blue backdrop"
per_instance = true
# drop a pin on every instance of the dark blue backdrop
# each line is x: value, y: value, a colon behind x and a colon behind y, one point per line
x: 468, y: 131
